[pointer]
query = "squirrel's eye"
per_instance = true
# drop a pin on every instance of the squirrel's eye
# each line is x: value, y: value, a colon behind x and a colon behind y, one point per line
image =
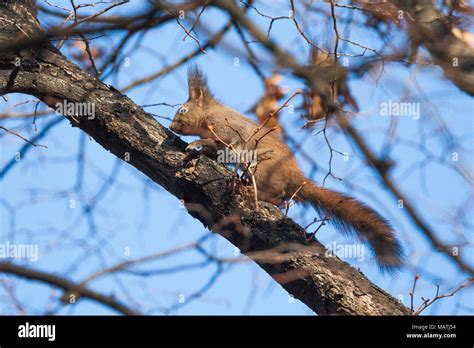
x: 183, y: 110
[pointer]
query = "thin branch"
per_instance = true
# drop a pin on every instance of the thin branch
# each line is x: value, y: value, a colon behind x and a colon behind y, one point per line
x: 68, y: 286
x: 427, y: 302
x: 22, y: 138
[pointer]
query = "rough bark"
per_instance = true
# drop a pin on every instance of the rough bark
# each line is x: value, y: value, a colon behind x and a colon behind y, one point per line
x: 324, y: 283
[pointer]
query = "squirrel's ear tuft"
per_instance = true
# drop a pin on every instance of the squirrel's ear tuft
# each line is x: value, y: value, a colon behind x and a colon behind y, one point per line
x: 197, y: 86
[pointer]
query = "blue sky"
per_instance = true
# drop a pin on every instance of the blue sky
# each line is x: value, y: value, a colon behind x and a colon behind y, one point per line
x: 136, y: 215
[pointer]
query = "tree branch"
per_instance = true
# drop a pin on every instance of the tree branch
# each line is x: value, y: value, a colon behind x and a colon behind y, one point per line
x: 69, y: 287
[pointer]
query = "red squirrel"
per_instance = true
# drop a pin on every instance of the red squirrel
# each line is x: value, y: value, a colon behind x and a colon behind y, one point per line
x: 276, y: 173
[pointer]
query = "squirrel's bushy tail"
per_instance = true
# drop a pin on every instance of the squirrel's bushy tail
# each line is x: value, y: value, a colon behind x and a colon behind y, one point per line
x: 350, y: 216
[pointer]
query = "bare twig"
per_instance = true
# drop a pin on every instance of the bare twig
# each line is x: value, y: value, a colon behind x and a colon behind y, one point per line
x: 22, y: 138
x: 427, y: 302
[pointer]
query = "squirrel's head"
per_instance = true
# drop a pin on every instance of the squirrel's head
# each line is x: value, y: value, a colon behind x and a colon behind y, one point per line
x: 193, y: 111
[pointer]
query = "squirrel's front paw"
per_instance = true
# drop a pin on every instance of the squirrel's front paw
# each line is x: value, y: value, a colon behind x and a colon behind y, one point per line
x: 203, y: 146
x: 194, y: 146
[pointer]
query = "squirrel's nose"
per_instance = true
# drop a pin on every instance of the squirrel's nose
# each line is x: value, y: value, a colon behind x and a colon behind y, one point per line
x: 174, y: 126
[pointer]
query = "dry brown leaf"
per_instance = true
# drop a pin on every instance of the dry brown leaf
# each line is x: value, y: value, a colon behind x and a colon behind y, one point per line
x: 269, y: 102
x: 382, y: 10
